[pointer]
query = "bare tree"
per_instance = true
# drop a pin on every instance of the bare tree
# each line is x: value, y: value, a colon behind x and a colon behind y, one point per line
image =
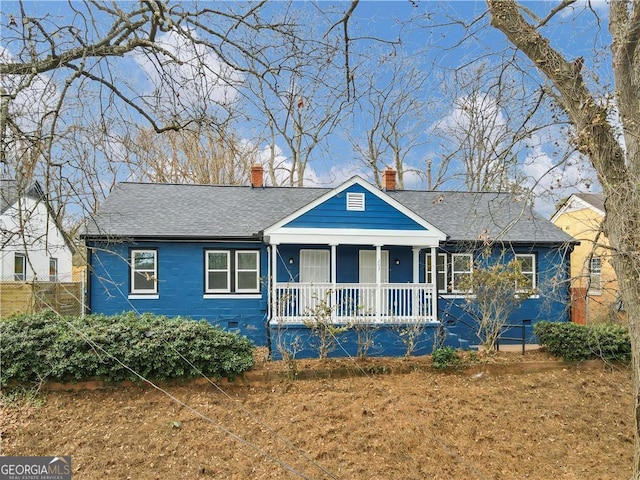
x: 485, y: 134
x: 76, y: 84
x: 195, y: 155
x: 617, y: 165
x: 392, y: 97
x: 298, y: 103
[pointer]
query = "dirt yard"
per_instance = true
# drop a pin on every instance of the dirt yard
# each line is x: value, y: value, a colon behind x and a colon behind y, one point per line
x: 512, y: 418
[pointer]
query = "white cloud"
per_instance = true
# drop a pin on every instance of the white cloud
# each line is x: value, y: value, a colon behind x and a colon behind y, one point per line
x: 552, y: 181
x: 188, y: 77
x: 34, y: 97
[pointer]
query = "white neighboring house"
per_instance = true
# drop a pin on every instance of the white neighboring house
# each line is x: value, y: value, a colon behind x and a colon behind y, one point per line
x: 32, y: 245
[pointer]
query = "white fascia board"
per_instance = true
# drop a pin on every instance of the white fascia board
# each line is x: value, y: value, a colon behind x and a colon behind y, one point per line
x: 352, y: 236
x: 356, y: 180
x: 574, y: 204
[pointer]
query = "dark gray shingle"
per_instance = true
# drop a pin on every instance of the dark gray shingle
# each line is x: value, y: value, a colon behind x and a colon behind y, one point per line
x: 205, y: 211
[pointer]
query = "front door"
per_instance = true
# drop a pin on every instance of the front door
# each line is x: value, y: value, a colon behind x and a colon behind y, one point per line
x: 367, y: 275
x: 315, y: 274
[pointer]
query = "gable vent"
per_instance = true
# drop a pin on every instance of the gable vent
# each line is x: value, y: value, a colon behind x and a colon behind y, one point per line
x: 355, y: 202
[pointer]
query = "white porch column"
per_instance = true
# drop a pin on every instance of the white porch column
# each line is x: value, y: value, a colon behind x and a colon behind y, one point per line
x: 274, y: 278
x: 415, y: 301
x: 378, y: 282
x: 434, y: 283
x: 416, y: 264
x: 334, y: 281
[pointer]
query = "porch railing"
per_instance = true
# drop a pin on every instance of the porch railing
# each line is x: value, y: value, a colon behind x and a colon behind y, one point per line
x: 354, y: 302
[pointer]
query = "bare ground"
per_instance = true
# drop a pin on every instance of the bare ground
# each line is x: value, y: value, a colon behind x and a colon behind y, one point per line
x: 508, y: 417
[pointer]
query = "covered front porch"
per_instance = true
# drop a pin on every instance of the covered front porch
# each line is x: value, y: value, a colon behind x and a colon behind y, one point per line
x: 350, y: 284
x: 354, y: 303
x: 353, y: 255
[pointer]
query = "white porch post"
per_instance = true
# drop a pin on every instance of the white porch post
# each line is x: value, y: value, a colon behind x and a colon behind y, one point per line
x: 416, y: 279
x: 274, y: 278
x: 378, y: 282
x: 434, y: 284
x: 334, y: 281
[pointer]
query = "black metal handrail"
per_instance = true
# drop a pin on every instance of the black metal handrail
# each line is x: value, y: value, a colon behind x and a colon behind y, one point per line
x: 522, y: 337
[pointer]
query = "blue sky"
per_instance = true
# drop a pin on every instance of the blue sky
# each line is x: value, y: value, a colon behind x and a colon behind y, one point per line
x: 431, y: 35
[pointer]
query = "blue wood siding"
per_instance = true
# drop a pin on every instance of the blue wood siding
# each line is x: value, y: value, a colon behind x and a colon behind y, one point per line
x: 181, y: 286
x: 333, y: 213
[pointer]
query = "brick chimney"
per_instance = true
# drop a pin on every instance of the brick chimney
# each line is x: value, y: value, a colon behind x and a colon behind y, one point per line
x: 389, y: 179
x: 257, y: 176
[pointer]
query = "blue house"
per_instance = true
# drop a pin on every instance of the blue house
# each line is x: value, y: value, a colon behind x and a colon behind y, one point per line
x: 261, y: 260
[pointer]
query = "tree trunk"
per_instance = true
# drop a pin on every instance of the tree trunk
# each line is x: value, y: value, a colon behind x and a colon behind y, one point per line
x: 618, y: 172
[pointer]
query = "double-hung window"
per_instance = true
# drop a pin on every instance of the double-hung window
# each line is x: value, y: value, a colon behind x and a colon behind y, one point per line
x: 461, y: 269
x: 232, y: 271
x: 53, y: 269
x: 441, y: 271
x: 595, y: 275
x: 20, y: 267
x: 144, y: 271
x: 528, y: 271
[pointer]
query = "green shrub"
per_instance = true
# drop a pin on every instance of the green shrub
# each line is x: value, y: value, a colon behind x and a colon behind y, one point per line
x: 575, y: 342
x: 445, y: 357
x: 46, y: 346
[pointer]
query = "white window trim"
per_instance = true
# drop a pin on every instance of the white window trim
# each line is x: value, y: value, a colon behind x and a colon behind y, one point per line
x: 207, y: 288
x: 232, y: 276
x: 135, y: 291
x: 427, y: 271
x: 256, y: 270
x: 453, y: 272
x: 212, y: 296
x: 534, y: 284
x: 24, y: 267
x: 592, y: 290
x: 54, y: 277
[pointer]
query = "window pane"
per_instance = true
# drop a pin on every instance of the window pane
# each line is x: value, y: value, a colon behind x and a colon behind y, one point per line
x: 218, y: 260
x: 528, y: 270
x: 526, y: 263
x: 144, y: 261
x: 143, y: 271
x: 247, y: 280
x: 218, y: 281
x: 143, y: 281
x: 247, y: 260
x: 595, y: 273
x: 53, y: 269
x: 19, y: 269
x: 461, y: 263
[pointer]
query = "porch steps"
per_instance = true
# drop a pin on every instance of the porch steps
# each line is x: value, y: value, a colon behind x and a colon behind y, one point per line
x: 453, y: 340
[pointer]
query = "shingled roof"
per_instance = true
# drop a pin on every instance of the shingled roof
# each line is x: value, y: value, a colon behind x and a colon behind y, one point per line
x: 596, y: 200
x: 10, y: 192
x: 144, y: 210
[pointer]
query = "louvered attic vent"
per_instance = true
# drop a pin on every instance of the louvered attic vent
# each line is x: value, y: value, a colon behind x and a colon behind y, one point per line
x: 355, y: 202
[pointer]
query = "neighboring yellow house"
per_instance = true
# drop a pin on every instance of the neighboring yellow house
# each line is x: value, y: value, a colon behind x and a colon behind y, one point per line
x: 594, y: 286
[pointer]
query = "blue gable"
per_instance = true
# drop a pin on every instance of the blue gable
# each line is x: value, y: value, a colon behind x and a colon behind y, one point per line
x: 377, y: 214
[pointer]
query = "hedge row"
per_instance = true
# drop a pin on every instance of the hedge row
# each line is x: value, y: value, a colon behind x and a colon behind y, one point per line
x: 575, y: 342
x: 46, y: 346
